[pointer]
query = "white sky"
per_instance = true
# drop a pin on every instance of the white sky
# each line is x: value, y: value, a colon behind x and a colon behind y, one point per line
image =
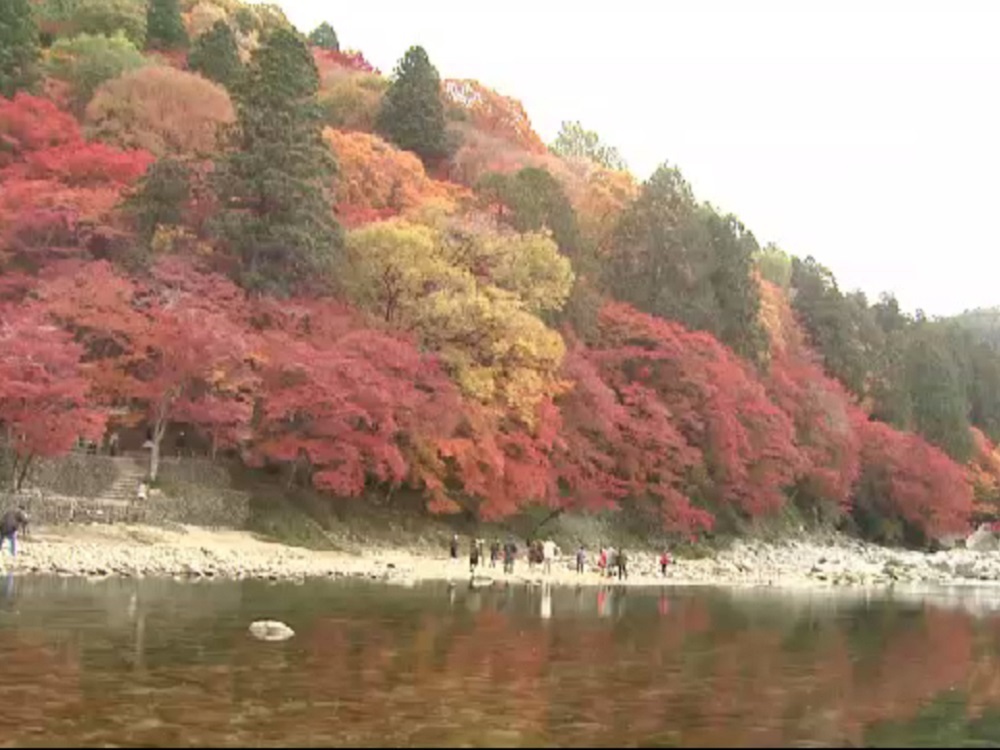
x: 863, y: 133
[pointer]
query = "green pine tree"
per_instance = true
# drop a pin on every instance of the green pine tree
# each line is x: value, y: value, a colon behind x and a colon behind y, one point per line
x: 161, y: 197
x: 164, y: 27
x: 412, y: 114
x: 216, y: 56
x: 273, y: 183
x: 18, y: 47
x: 325, y: 37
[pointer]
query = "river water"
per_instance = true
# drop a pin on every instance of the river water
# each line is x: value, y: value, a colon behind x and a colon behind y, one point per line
x: 164, y: 663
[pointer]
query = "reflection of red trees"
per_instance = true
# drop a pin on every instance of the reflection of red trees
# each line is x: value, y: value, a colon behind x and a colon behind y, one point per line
x: 40, y: 687
x: 703, y: 675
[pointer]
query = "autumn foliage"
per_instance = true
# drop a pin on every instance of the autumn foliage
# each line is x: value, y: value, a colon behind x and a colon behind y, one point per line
x: 462, y: 342
x: 350, y: 405
x: 906, y: 478
x: 819, y: 406
x: 376, y: 180
x: 495, y: 114
x: 161, y: 110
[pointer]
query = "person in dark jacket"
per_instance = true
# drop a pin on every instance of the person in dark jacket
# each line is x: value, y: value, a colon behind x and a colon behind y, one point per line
x: 509, y: 555
x: 474, y: 550
x: 622, y: 562
x: 12, y: 522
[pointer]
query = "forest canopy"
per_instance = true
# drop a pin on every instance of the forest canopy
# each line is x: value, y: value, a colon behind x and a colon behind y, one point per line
x: 363, y: 281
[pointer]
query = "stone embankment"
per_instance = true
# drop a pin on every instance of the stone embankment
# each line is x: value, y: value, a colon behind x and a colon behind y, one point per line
x: 191, y: 552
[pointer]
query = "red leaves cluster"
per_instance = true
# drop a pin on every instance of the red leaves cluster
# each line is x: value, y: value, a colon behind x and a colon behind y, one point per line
x: 666, y: 373
x: 58, y: 190
x: 44, y: 396
x: 349, y: 60
x: 81, y: 165
x: 167, y: 347
x: 819, y: 406
x: 351, y: 404
x: 912, y: 480
x: 620, y: 440
x: 29, y: 124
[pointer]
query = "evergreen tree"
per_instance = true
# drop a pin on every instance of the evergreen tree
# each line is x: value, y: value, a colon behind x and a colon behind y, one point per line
x: 575, y: 141
x: 663, y: 258
x: 164, y: 27
x: 161, y: 198
x: 216, y: 56
x: 532, y: 200
x: 736, y: 291
x: 273, y: 184
x: 935, y: 380
x: 412, y: 114
x: 325, y: 37
x: 18, y: 47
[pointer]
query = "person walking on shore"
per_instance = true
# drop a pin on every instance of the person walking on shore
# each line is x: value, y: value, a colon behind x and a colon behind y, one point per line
x: 494, y: 553
x: 581, y: 559
x: 548, y: 554
x: 473, y: 556
x: 12, y: 522
x: 664, y: 562
x: 454, y: 548
x: 622, y: 565
x: 509, y: 555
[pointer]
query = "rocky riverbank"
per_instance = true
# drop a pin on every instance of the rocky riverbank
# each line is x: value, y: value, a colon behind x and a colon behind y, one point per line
x: 190, y: 552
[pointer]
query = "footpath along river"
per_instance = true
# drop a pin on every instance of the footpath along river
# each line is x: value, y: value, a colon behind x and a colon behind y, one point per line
x: 191, y: 552
x: 158, y: 662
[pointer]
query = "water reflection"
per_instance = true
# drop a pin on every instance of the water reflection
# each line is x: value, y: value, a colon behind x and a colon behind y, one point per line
x: 160, y: 663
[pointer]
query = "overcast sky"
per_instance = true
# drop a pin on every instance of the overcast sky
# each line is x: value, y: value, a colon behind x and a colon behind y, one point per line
x: 862, y: 133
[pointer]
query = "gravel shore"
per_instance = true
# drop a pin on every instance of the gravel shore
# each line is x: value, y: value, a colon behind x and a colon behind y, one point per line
x: 190, y: 552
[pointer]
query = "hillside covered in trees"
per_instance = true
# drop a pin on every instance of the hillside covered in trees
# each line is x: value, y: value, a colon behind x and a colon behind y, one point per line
x: 367, y: 281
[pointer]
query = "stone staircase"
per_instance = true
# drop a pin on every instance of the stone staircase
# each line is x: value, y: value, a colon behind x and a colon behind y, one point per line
x: 117, y: 502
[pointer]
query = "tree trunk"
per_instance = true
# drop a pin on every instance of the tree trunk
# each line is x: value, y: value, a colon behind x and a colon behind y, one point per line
x: 13, y: 471
x: 154, y: 454
x: 154, y: 460
x: 24, y: 473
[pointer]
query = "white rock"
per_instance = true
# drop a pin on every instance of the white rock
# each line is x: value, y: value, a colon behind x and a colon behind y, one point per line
x: 270, y: 630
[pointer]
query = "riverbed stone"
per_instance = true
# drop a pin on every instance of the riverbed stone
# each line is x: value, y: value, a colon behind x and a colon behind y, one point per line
x: 271, y: 630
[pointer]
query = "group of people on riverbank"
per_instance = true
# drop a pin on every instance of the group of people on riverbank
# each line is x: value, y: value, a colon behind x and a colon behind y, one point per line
x: 610, y: 563
x: 506, y: 552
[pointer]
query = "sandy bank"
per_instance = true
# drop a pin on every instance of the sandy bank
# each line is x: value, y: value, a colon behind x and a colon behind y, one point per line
x: 139, y: 551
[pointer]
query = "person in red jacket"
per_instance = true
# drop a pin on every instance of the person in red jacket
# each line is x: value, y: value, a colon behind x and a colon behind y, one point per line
x: 664, y: 562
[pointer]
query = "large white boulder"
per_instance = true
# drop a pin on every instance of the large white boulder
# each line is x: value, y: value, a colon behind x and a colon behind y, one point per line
x: 270, y: 630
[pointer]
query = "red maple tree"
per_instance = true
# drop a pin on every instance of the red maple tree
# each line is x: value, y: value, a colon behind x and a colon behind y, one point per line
x: 906, y: 478
x: 350, y: 404
x: 44, y: 404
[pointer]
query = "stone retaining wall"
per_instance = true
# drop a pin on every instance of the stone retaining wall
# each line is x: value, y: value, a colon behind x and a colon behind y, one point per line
x: 74, y: 475
x: 70, y: 490
x: 200, y: 471
x: 46, y: 509
x: 197, y: 505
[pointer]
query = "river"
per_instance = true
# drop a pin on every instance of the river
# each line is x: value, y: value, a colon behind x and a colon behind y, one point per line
x: 165, y: 663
